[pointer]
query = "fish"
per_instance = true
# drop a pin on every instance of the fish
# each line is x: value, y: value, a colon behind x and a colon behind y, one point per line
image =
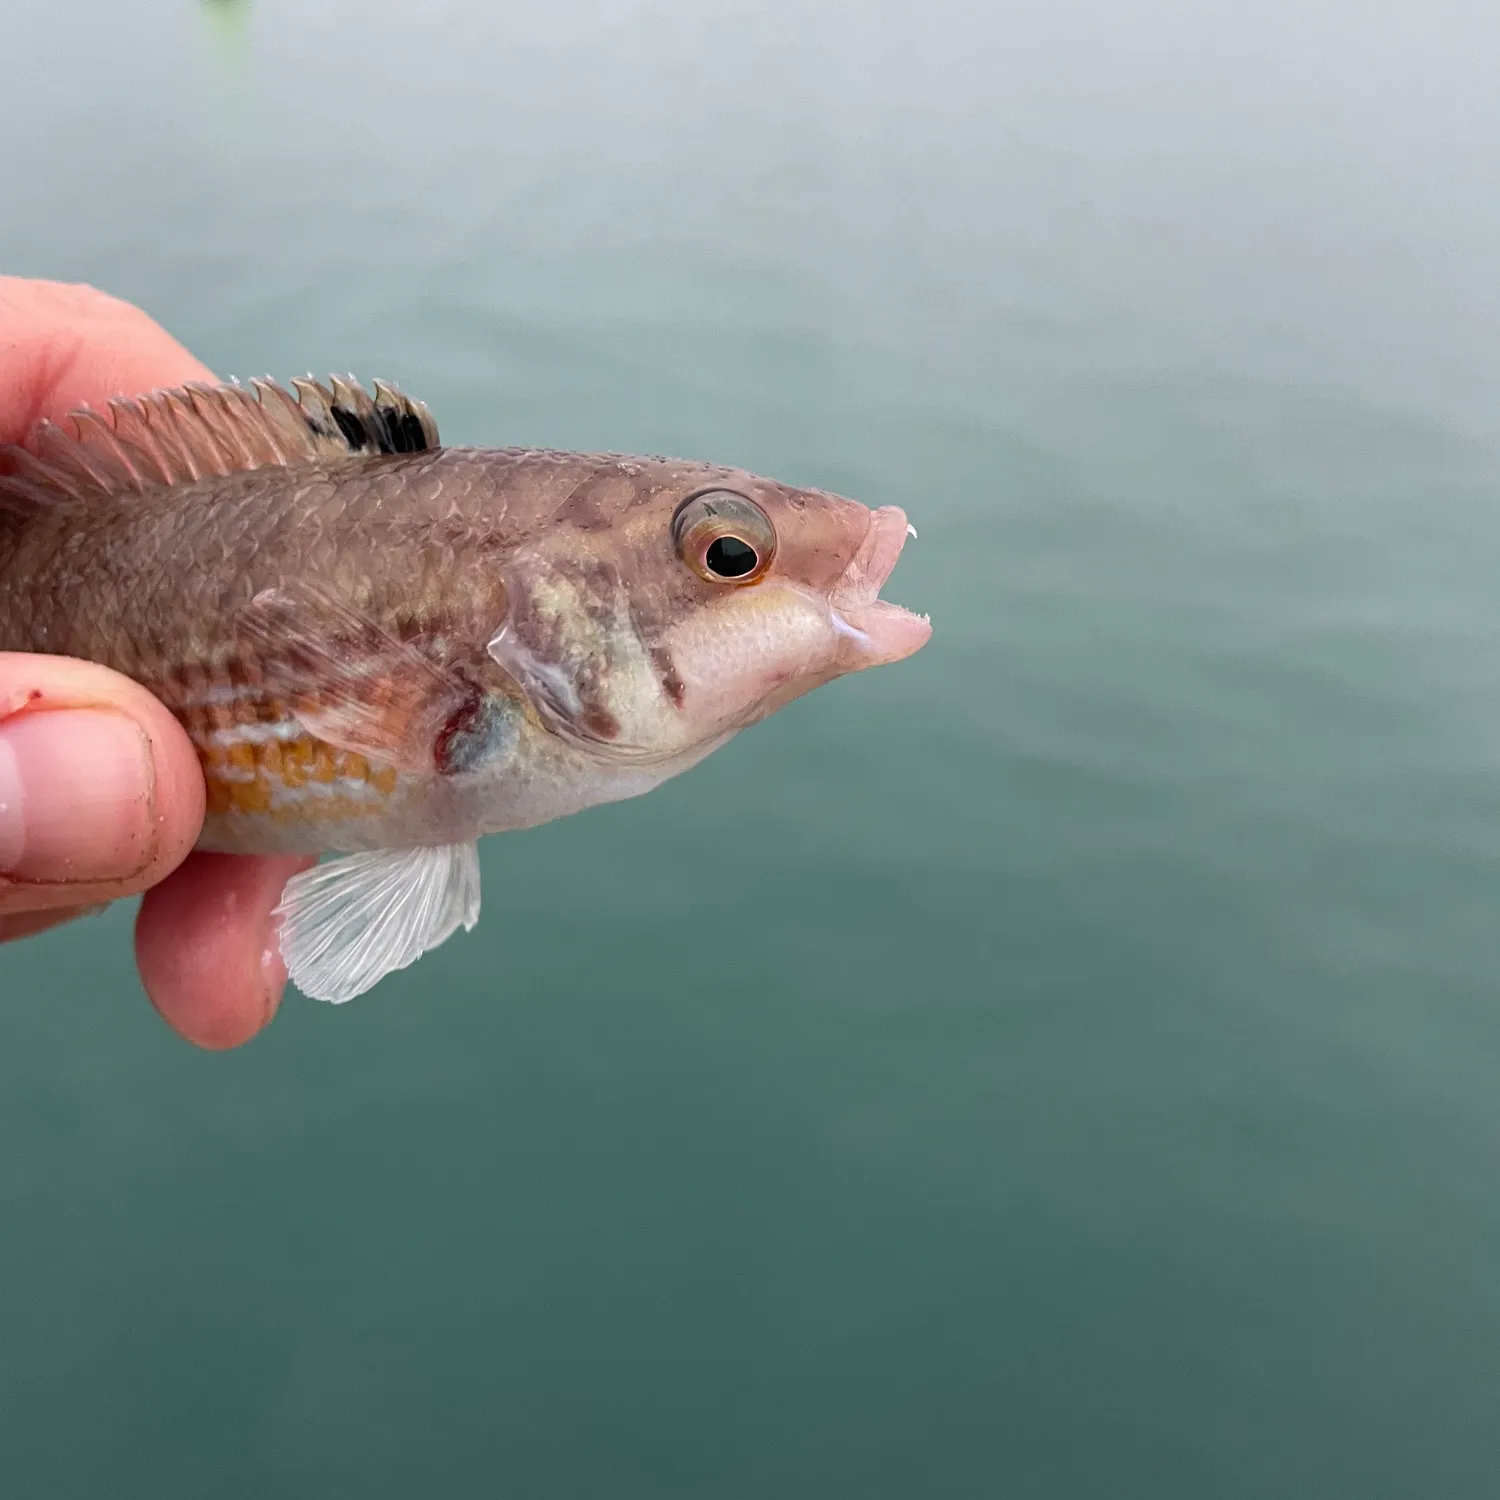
x: 384, y: 648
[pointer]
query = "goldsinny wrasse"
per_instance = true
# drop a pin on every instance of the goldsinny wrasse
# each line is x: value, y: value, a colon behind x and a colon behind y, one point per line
x: 384, y: 648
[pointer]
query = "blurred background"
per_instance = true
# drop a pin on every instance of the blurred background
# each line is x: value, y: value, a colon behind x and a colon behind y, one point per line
x: 1065, y: 1064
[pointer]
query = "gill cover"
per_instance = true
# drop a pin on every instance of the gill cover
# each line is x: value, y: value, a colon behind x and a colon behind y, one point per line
x: 573, y: 643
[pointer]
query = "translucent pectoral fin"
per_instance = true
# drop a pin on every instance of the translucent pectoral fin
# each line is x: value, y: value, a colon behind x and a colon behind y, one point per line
x: 350, y: 681
x: 346, y: 924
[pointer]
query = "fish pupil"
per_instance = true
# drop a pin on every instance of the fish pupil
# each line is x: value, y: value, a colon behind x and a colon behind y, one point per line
x: 729, y: 557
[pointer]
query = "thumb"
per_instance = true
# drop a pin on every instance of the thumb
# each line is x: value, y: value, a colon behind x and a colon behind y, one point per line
x: 100, y: 791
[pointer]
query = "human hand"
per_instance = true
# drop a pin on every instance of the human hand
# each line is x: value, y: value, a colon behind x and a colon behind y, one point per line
x: 101, y: 795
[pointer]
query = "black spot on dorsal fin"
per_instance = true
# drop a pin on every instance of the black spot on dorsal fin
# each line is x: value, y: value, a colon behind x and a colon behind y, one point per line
x: 178, y: 436
x: 356, y: 433
x: 344, y: 410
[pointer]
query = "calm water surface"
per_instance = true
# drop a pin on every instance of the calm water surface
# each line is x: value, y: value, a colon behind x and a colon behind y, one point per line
x: 1067, y: 1064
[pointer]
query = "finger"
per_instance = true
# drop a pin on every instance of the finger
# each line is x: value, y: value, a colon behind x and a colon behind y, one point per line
x: 62, y: 347
x: 206, y: 944
x: 24, y: 924
x: 100, y: 790
x: 204, y: 937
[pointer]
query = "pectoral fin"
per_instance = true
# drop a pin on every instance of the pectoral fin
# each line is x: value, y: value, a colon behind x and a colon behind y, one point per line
x: 350, y: 682
x: 346, y: 924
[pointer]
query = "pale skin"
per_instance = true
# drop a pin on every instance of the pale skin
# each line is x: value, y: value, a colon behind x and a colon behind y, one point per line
x: 103, y: 797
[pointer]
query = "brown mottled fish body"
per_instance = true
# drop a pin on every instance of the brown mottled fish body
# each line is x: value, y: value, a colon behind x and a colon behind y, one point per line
x: 380, y: 644
x: 415, y: 544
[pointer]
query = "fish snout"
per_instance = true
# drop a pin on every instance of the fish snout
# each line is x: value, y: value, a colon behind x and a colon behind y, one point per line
x: 875, y: 630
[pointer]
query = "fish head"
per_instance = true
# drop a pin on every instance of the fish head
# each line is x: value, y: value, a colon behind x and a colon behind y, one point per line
x: 670, y: 605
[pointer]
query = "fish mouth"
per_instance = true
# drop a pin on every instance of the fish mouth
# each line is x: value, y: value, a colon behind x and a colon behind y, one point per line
x: 878, y: 631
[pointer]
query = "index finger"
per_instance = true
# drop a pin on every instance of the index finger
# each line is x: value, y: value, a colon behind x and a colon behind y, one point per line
x: 62, y: 347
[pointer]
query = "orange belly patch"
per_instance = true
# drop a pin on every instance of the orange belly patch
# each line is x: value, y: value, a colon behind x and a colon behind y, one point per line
x: 258, y: 759
x: 294, y: 780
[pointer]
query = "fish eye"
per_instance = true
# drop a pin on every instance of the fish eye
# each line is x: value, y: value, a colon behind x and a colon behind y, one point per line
x: 723, y: 537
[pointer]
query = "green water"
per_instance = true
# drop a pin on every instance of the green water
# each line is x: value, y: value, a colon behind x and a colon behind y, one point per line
x: 1067, y: 1064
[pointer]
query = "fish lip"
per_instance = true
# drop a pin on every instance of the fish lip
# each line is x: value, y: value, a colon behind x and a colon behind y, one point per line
x: 878, y: 630
x: 875, y: 560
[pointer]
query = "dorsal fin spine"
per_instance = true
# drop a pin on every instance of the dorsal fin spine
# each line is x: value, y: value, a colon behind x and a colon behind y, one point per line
x: 95, y: 432
x: 58, y: 446
x: 196, y: 431
x: 172, y: 454
x: 172, y: 451
x: 206, y: 404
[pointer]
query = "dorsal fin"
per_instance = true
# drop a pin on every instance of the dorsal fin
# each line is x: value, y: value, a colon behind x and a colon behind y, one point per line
x: 176, y: 436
